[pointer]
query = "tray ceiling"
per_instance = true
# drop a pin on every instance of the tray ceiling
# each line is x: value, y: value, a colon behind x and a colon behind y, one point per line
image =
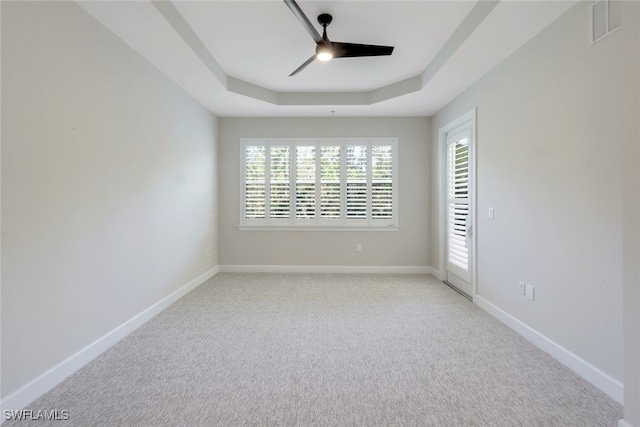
x: 235, y: 56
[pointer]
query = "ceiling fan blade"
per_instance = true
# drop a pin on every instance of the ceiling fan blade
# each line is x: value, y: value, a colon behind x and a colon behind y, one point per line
x: 350, y: 50
x: 300, y: 68
x: 304, y: 20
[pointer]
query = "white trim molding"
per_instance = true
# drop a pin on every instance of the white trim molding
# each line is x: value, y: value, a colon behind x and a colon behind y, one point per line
x: 317, y: 228
x: 436, y: 273
x: 623, y: 423
x: 468, y: 119
x: 383, y: 269
x: 29, y: 392
x: 611, y: 386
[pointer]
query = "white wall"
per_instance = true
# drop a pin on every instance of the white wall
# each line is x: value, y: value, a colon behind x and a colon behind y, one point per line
x: 552, y: 121
x: 407, y: 247
x: 108, y: 186
x: 631, y: 226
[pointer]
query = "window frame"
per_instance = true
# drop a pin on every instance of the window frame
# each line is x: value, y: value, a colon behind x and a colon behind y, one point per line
x: 318, y: 223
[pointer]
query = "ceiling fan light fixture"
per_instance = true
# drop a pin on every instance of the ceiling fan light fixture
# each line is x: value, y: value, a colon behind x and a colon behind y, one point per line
x: 325, y: 56
x: 324, y: 53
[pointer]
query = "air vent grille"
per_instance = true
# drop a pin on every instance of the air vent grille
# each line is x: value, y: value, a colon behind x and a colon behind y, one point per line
x: 605, y: 18
x: 614, y: 14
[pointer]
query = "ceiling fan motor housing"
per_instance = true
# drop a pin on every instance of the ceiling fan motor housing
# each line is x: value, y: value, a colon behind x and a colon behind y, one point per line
x: 325, y: 19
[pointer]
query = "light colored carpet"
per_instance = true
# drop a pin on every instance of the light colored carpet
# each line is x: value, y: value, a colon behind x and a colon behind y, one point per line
x: 326, y: 350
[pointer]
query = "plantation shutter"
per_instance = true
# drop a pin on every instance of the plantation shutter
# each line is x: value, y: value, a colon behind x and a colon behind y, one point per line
x: 356, y: 182
x: 279, y: 182
x: 255, y: 185
x: 305, y: 182
x: 458, y: 203
x: 319, y: 182
x: 330, y: 188
x: 382, y: 182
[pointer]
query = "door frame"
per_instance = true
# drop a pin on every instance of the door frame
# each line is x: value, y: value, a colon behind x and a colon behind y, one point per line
x: 471, y: 119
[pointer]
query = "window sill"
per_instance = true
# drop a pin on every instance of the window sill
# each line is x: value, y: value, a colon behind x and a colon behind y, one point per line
x: 318, y: 228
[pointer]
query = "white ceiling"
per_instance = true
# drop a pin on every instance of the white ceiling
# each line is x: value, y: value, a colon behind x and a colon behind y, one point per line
x: 262, y: 42
x: 235, y: 56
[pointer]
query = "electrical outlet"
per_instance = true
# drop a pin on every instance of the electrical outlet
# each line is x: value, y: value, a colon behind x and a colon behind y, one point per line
x: 358, y: 247
x: 521, y: 288
x: 490, y: 213
x: 529, y: 292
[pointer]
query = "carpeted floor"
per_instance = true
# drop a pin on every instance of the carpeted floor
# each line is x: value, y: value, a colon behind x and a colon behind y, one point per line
x: 326, y: 350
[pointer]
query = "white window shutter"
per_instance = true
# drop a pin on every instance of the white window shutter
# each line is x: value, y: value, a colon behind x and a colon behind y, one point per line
x: 279, y: 182
x: 305, y: 182
x: 254, y: 200
x: 319, y: 182
x: 330, y: 188
x: 458, y: 203
x: 356, y: 182
x: 381, y: 182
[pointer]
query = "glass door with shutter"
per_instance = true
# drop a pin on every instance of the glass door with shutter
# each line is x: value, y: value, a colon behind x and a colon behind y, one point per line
x: 459, y: 232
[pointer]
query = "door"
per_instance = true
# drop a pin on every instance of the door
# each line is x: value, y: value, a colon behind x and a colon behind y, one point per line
x: 459, y: 231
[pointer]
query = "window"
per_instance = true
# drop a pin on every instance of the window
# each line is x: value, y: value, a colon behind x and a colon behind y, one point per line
x: 319, y: 183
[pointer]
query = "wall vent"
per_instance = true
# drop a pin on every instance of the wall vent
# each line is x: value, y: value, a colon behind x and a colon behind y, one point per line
x: 604, y: 18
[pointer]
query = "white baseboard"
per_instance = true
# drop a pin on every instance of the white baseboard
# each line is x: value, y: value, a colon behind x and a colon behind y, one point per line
x: 611, y: 386
x: 324, y: 269
x: 623, y: 423
x: 436, y: 273
x: 54, y: 376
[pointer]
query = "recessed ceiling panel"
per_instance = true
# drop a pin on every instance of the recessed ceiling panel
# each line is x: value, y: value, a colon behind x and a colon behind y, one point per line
x: 262, y: 42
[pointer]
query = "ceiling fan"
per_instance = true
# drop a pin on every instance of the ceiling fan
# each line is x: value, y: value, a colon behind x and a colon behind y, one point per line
x: 326, y: 49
